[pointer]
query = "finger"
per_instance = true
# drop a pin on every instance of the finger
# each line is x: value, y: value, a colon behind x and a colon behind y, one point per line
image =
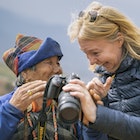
x: 24, y: 96
x: 35, y: 85
x: 100, y: 103
x: 32, y: 89
x: 85, y: 121
x: 29, y: 92
x: 29, y: 86
x: 96, y: 97
x: 36, y: 95
x: 91, y: 92
x: 108, y: 83
x: 31, y: 83
x: 77, y: 82
x: 97, y: 82
x: 75, y: 85
x: 100, y: 91
x: 90, y: 85
x: 99, y: 87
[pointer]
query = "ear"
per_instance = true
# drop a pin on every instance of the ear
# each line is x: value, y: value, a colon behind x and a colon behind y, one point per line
x: 120, y: 39
x: 25, y: 75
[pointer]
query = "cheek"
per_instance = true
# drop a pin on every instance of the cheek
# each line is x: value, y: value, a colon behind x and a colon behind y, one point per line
x: 116, y: 57
x: 112, y: 60
x: 45, y: 74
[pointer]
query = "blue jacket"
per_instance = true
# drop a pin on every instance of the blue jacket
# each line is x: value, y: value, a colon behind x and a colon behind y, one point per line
x: 86, y: 133
x: 121, y: 118
x: 9, y: 117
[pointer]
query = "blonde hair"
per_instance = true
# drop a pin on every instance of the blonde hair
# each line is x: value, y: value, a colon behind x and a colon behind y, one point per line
x: 107, y: 24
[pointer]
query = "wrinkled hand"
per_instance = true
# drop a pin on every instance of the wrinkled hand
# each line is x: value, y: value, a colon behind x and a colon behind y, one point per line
x: 78, y: 89
x: 21, y: 99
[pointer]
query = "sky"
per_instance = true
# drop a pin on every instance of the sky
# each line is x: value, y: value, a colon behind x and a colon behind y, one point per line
x: 60, y: 11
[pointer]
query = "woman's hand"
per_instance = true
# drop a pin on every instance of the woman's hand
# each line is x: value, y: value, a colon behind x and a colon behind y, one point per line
x: 25, y: 94
x: 78, y: 89
x: 98, y: 90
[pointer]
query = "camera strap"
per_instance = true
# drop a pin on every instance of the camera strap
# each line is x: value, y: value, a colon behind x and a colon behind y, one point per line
x: 42, y: 125
x: 42, y: 119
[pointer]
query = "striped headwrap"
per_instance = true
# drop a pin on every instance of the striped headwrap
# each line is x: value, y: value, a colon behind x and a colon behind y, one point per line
x: 29, y: 51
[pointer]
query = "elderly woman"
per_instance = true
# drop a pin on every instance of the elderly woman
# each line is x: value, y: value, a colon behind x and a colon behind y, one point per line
x: 34, y: 62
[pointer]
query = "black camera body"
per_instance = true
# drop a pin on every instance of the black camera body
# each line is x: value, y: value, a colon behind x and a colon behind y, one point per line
x: 68, y: 106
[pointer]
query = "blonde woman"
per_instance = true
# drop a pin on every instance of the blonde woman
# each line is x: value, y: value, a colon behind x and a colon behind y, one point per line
x: 111, y: 42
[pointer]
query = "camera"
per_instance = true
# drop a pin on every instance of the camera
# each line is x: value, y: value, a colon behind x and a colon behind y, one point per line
x: 68, y: 106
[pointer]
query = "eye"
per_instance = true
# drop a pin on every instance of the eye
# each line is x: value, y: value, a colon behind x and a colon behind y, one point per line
x: 95, y: 53
x: 47, y: 62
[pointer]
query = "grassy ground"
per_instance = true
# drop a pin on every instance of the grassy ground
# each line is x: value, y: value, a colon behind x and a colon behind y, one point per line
x: 7, y: 79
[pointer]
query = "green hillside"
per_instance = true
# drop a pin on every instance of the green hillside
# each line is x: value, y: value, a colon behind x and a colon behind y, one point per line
x: 7, y: 79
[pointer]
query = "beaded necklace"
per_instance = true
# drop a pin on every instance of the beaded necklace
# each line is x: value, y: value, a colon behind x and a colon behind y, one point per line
x: 28, y: 121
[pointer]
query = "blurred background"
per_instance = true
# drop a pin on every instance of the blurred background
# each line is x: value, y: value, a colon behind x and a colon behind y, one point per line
x: 50, y: 18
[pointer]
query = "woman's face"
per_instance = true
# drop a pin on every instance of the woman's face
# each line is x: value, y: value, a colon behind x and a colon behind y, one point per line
x: 44, y: 70
x: 102, y: 52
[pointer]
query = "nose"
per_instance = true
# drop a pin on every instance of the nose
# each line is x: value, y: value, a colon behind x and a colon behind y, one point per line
x: 57, y: 69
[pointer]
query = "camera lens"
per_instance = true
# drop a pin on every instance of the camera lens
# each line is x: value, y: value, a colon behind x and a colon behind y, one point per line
x: 68, y: 108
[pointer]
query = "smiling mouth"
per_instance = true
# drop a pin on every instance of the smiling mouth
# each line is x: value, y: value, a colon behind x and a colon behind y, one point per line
x: 105, y: 65
x: 108, y: 68
x: 102, y: 64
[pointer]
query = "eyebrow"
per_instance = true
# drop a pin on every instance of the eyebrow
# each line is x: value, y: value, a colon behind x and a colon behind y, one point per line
x: 90, y: 49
